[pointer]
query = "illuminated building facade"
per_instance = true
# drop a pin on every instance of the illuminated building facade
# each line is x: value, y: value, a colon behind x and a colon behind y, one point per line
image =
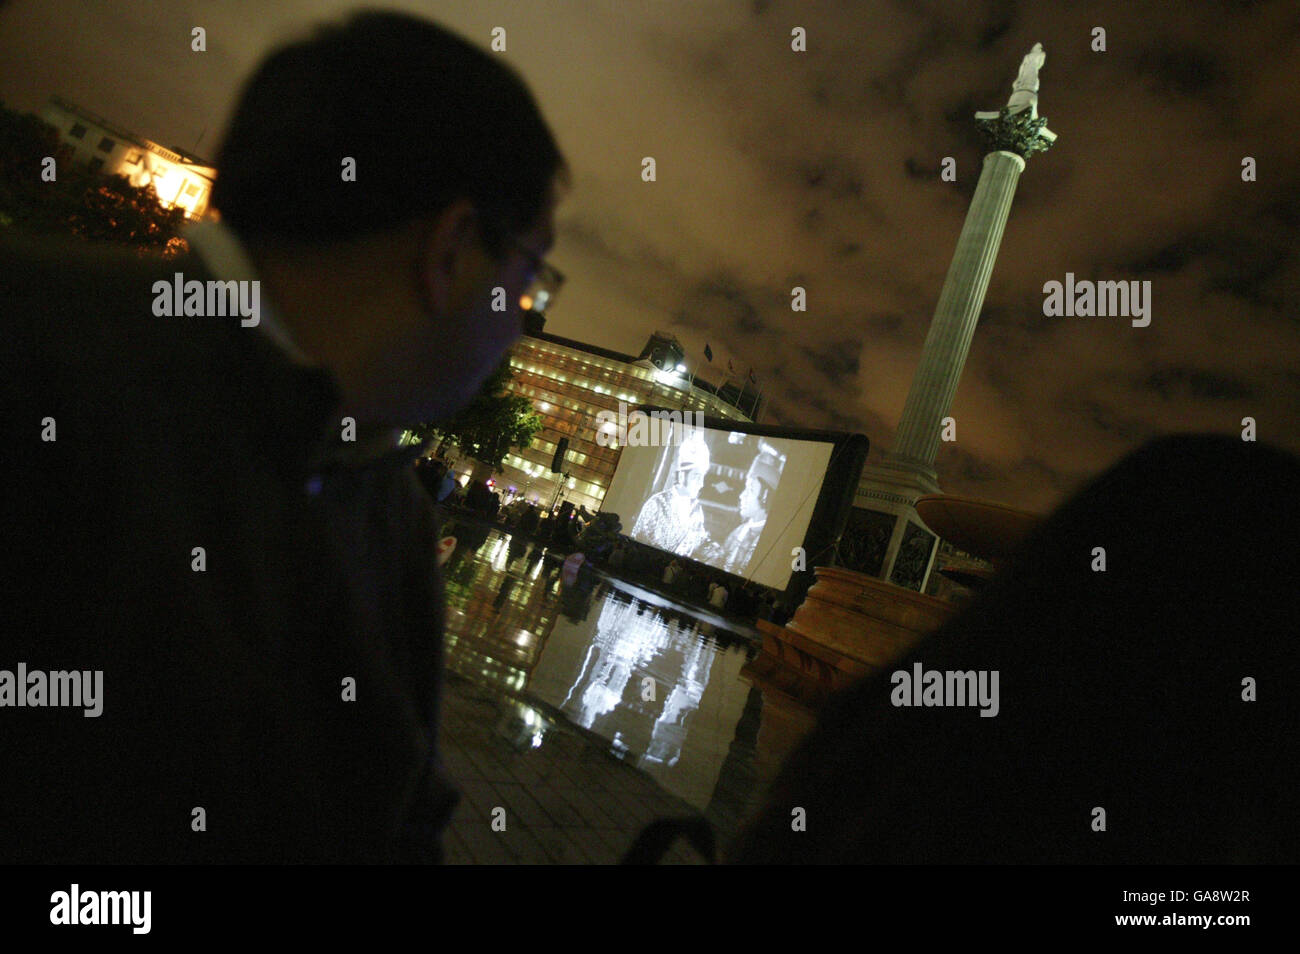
x: 181, y: 180
x: 570, y: 382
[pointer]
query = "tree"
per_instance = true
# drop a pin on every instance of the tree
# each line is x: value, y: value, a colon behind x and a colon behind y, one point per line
x: 113, y: 210
x: 78, y: 202
x: 493, y: 423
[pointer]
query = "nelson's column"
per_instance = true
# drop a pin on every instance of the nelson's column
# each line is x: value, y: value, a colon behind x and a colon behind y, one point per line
x: 885, y: 538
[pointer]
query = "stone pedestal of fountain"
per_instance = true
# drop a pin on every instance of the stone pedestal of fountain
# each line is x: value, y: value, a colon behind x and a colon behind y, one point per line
x: 849, y: 625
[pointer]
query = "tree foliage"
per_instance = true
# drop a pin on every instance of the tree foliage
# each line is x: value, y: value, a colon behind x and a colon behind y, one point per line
x: 493, y: 423
x: 78, y: 202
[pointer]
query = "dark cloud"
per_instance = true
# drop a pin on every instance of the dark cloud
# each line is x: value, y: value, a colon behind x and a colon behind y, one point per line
x: 1181, y: 71
x: 1084, y: 413
x: 1249, y: 267
x: 1001, y: 18
x: 832, y: 177
x: 837, y: 360
x: 800, y: 397
x: 1043, y: 470
x: 916, y: 170
x: 1171, y: 257
x: 720, y: 304
x: 884, y: 325
x: 969, y: 468
x: 1198, y: 383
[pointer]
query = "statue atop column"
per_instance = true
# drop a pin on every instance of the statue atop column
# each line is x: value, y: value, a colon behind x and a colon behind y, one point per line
x: 1017, y: 127
x: 1025, y: 89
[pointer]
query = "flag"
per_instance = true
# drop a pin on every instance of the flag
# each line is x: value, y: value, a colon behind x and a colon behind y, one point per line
x: 708, y: 352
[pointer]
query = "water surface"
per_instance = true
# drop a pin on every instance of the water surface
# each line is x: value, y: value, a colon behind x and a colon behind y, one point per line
x: 661, y: 685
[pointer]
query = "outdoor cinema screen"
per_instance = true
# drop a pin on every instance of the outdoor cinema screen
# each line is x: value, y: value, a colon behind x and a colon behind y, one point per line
x: 737, y: 501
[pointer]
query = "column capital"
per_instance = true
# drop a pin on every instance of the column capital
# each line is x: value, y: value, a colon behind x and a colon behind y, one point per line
x: 1020, y: 131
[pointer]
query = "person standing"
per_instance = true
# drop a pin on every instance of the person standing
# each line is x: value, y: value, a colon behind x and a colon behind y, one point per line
x: 717, y: 595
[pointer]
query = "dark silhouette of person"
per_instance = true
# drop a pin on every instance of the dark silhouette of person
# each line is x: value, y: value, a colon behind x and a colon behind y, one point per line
x: 260, y: 593
x: 1147, y: 711
x: 529, y: 521
x: 518, y: 547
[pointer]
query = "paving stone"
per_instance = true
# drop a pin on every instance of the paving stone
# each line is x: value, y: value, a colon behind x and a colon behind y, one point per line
x: 616, y: 842
x: 522, y: 806
x: 487, y: 847
x: 567, y: 801
x: 560, y: 810
x: 527, y: 848
x: 482, y: 797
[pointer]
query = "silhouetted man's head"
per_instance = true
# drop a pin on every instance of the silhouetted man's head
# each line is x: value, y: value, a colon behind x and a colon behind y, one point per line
x: 386, y: 166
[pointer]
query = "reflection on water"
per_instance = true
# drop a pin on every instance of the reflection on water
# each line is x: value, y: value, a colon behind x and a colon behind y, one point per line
x: 657, y: 685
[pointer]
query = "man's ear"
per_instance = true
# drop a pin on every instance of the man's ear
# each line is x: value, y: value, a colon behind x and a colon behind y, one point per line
x: 446, y: 245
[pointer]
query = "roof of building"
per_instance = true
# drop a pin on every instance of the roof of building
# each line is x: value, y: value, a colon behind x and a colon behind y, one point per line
x: 583, y: 346
x: 172, y: 153
x: 730, y: 394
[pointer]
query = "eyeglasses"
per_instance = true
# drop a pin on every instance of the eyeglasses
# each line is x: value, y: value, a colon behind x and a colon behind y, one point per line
x: 544, y: 279
x: 539, y: 269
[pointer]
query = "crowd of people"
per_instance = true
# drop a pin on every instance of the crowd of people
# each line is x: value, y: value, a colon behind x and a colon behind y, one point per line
x: 701, y: 584
x: 560, y: 528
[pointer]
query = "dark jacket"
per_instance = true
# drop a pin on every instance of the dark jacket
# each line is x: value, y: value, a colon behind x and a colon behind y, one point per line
x: 223, y: 689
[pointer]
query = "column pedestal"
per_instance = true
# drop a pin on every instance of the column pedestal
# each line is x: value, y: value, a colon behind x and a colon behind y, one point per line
x: 885, y: 537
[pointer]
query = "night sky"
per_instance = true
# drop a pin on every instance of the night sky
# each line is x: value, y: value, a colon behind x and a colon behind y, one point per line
x: 821, y: 169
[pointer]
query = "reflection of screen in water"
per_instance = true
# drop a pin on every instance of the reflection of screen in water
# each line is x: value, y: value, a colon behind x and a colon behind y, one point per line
x: 737, y: 502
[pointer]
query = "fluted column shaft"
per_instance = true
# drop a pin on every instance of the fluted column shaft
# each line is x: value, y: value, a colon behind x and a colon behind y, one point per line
x: 958, y: 310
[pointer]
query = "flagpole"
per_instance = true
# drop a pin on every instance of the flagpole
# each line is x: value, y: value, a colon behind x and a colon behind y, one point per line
x: 726, y: 380
x: 758, y: 392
